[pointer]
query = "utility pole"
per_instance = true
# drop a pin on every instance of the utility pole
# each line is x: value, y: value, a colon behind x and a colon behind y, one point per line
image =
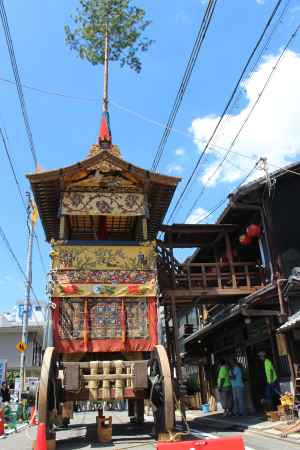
x: 24, y: 339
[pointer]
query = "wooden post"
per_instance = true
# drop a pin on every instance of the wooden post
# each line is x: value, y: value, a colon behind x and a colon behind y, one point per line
x: 273, y: 343
x: 63, y: 228
x: 230, y: 260
x: 144, y: 228
x: 85, y: 326
x: 248, y: 281
x: 204, y: 279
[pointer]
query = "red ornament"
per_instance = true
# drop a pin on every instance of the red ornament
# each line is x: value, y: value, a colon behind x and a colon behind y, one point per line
x: 70, y: 289
x: 133, y: 289
x: 253, y: 230
x: 245, y: 239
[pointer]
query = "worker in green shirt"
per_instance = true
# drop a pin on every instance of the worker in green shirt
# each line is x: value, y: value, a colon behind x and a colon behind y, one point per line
x: 272, y: 388
x: 224, y: 386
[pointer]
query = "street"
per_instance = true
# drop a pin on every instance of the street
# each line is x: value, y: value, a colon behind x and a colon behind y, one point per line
x: 81, y: 435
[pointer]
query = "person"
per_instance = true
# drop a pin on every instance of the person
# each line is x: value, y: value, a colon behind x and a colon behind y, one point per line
x: 272, y: 387
x: 5, y: 394
x: 224, y: 386
x: 238, y: 389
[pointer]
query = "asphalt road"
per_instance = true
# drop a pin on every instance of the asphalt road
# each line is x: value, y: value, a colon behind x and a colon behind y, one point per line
x: 81, y: 436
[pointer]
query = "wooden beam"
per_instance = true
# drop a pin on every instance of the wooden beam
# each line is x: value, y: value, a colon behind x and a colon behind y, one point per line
x: 209, y: 292
x: 259, y: 313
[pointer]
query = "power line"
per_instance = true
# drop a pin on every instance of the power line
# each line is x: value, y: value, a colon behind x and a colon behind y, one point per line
x: 185, y: 80
x: 14, y: 257
x: 6, y: 149
x: 222, y: 202
x: 229, y: 102
x: 15, y: 69
x: 216, y: 170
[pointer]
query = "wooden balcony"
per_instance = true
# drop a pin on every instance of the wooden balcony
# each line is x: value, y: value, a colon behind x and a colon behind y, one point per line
x: 215, y: 282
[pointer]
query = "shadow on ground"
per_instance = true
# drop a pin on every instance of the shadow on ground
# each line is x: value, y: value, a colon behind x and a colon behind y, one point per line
x: 217, y: 422
x: 123, y: 434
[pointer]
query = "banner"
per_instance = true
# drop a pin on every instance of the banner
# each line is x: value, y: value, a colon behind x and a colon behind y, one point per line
x: 90, y: 258
x: 103, y: 204
x: 147, y: 289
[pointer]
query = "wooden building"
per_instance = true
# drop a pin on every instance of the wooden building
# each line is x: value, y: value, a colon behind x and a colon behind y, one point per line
x: 232, y: 295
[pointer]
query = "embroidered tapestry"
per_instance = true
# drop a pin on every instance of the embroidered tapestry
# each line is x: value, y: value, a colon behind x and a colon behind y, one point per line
x: 89, y: 258
x: 105, y: 320
x: 101, y: 283
x: 148, y: 289
x: 71, y: 319
x: 103, y: 204
x: 137, y: 323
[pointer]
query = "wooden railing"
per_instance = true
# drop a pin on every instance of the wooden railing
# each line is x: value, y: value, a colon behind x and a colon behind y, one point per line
x: 219, y: 275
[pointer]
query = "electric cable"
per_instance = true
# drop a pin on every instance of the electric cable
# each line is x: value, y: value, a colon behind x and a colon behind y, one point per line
x: 218, y: 167
x: 15, y: 69
x: 185, y: 80
x: 6, y: 149
x: 207, y: 145
x: 14, y: 257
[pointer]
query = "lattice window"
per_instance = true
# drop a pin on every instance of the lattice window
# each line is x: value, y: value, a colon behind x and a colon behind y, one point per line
x: 71, y: 319
x: 137, y: 319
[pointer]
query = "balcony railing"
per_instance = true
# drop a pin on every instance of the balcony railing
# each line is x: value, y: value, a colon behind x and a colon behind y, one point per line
x: 237, y: 275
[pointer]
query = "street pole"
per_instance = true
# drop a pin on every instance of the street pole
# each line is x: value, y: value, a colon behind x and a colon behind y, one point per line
x: 27, y: 302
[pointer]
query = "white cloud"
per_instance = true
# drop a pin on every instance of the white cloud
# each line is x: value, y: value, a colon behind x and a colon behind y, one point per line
x: 196, y: 216
x: 179, y: 151
x: 175, y: 168
x: 272, y: 130
x: 260, y: 2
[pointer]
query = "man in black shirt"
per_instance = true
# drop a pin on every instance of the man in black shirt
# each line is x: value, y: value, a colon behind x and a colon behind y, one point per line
x: 5, y: 392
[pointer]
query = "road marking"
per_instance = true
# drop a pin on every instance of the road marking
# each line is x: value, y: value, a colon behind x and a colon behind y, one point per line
x: 199, y: 434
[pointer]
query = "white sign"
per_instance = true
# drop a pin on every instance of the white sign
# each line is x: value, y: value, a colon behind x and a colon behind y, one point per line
x: 3, y: 366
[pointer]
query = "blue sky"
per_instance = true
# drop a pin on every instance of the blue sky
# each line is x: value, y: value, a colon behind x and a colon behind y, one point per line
x: 64, y: 129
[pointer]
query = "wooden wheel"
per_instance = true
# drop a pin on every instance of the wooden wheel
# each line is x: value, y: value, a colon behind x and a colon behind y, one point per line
x: 48, y: 391
x: 161, y: 393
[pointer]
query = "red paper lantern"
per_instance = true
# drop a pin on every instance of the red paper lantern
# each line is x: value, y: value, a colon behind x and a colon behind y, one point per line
x: 70, y: 289
x: 245, y: 239
x: 253, y: 230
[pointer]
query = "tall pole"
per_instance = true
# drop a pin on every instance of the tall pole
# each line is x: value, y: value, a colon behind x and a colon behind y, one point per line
x: 106, y: 58
x: 27, y: 295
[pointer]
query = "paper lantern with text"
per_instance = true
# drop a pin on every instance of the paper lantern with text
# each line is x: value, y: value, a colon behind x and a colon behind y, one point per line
x: 253, y: 230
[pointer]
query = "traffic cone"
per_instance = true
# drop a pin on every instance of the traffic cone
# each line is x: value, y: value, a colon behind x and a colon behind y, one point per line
x: 33, y: 417
x: 41, y: 442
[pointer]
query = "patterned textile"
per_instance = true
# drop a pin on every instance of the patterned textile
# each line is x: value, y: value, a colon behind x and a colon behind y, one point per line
x: 90, y: 258
x: 103, y: 276
x: 147, y: 289
x: 105, y: 320
x: 71, y: 319
x: 103, y: 204
x: 137, y: 319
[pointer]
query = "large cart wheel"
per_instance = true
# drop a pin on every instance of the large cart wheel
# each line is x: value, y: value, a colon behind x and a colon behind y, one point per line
x: 161, y: 393
x: 48, y: 392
